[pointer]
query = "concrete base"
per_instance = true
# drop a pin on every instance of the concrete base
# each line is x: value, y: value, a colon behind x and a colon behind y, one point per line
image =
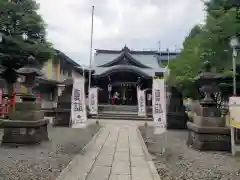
x: 209, y: 121
x: 81, y: 126
x: 177, y: 120
x: 62, y: 118
x: 209, y: 138
x: 24, y: 132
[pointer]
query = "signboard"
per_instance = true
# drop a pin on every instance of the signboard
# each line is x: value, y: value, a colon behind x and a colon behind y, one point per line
x: 234, y: 109
x: 78, y: 106
x: 234, y: 112
x: 159, y: 102
x: 141, y: 103
x: 93, y: 100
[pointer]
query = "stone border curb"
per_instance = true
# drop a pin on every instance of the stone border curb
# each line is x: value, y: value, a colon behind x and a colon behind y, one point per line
x: 74, y: 161
x: 148, y: 157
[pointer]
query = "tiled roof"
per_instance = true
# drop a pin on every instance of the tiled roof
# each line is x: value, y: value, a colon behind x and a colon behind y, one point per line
x: 146, y: 58
x: 126, y: 56
x: 101, y: 59
x: 149, y: 59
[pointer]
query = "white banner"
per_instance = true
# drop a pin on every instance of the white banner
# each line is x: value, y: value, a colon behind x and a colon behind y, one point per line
x: 93, y: 100
x: 141, y: 102
x: 159, y: 102
x: 78, y: 106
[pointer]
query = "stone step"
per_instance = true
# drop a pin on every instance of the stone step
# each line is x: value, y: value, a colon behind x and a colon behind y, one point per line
x: 121, y: 117
x: 121, y: 108
x: 115, y: 108
x: 119, y: 113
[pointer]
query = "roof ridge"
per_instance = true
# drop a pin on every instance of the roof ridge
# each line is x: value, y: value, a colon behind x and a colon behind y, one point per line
x: 123, y: 53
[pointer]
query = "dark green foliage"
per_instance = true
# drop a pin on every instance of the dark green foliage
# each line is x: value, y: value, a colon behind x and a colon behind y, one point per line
x: 209, y: 41
x: 18, y: 18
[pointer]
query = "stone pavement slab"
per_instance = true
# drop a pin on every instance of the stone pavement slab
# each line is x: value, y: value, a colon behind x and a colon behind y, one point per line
x: 116, y: 153
x: 120, y: 168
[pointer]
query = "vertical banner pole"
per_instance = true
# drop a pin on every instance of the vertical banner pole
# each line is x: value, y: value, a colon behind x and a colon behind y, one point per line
x: 91, y: 44
x: 165, y: 105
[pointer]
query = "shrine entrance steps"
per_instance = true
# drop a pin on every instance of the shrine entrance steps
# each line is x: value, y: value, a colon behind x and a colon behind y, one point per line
x: 121, y: 112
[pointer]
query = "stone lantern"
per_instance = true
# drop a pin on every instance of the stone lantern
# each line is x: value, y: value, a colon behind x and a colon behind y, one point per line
x: 28, y: 74
x: 26, y: 124
x: 208, y: 131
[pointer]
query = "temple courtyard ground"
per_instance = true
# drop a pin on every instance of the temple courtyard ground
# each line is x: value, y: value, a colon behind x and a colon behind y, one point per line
x: 118, y: 152
x: 44, y: 161
x: 179, y: 162
x: 115, y: 152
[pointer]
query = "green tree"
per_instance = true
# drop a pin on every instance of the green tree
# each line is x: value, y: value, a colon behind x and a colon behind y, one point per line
x: 218, y: 4
x: 186, y: 66
x: 18, y: 19
x: 209, y: 41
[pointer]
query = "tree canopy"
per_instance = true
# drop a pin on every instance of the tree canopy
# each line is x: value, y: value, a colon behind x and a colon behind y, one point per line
x: 208, y: 41
x: 19, y: 19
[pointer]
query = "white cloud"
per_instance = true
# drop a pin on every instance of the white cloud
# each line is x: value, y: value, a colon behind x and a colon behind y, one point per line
x: 137, y: 23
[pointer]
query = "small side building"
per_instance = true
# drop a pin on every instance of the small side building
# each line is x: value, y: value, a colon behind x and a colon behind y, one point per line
x: 56, y: 71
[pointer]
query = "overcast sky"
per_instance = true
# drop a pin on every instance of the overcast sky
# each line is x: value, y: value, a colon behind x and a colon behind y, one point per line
x: 139, y: 24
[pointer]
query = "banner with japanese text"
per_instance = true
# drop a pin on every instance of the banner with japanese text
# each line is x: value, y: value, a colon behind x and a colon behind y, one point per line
x: 141, y: 103
x: 159, y: 102
x: 93, y: 100
x: 78, y: 106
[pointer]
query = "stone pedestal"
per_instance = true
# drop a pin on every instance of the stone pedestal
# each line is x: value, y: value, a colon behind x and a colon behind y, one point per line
x: 208, y: 138
x: 176, y: 120
x: 63, y: 110
x: 26, y: 125
x: 176, y: 116
x: 208, y: 131
x: 62, y: 117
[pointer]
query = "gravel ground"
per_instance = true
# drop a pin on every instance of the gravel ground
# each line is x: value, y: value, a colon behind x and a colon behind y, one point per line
x: 182, y: 163
x: 47, y: 160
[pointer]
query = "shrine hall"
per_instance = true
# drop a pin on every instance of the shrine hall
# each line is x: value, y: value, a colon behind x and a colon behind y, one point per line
x: 118, y: 73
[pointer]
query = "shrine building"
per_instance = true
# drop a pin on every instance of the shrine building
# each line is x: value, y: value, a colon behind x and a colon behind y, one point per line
x: 122, y: 71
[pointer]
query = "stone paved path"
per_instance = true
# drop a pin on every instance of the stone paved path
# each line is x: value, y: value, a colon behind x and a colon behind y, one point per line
x: 117, y: 153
